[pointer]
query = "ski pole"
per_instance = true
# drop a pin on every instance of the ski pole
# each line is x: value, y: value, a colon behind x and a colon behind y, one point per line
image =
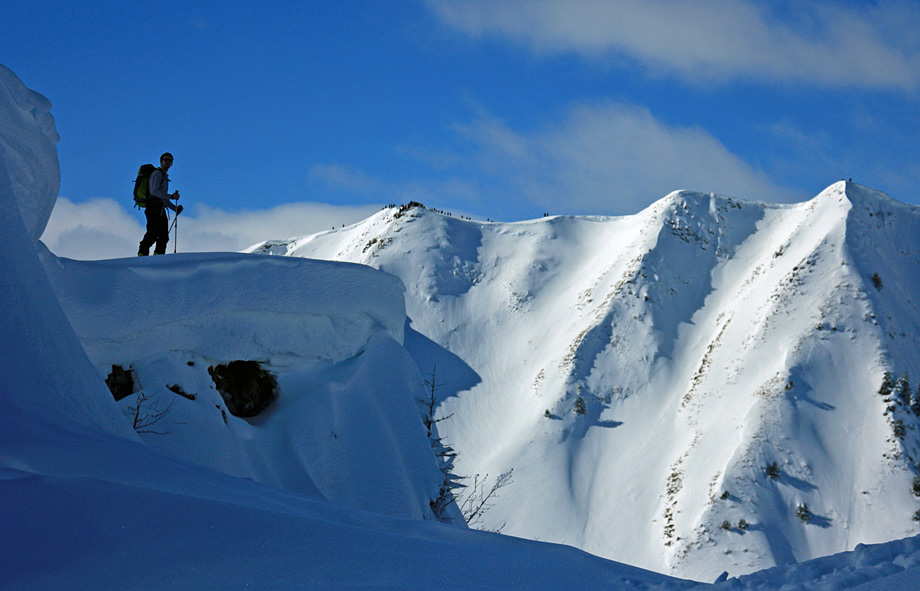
x: 175, y: 225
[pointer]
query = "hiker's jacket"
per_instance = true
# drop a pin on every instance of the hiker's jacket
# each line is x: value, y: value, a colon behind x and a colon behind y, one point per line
x: 158, y: 186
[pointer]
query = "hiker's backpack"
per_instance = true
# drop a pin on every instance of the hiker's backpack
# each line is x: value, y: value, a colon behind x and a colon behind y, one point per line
x: 140, y: 185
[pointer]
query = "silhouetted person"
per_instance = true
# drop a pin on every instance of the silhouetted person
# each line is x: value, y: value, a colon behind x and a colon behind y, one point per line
x: 157, y: 202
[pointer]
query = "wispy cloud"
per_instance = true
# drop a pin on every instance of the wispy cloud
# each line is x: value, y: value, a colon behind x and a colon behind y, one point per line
x: 599, y: 157
x: 103, y: 228
x: 842, y: 44
x: 611, y: 157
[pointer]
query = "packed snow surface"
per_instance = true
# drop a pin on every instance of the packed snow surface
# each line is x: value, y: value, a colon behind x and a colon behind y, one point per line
x: 328, y: 488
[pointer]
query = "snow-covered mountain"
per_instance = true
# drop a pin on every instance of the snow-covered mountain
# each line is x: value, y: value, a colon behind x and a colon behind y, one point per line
x: 691, y: 389
x: 327, y: 487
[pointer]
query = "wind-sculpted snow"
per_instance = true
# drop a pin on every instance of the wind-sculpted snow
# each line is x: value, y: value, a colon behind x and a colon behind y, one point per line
x: 641, y: 374
x: 40, y: 352
x: 226, y: 305
x: 29, y: 171
x: 330, y: 332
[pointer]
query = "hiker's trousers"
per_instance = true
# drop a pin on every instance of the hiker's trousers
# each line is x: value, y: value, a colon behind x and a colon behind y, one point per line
x: 157, y: 227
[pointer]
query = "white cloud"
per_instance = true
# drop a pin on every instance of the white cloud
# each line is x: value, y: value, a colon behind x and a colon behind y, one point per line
x: 603, y: 157
x: 103, y: 228
x: 609, y: 157
x: 834, y: 44
x: 430, y: 187
x: 97, y: 229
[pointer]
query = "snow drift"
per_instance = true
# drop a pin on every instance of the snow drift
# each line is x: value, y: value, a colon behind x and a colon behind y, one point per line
x: 41, y: 353
x: 330, y: 333
x: 29, y: 173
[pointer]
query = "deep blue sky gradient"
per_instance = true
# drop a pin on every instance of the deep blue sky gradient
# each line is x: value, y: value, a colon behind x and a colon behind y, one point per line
x: 380, y: 102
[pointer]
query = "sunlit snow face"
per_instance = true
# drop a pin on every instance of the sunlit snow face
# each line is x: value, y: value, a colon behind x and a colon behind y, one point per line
x: 29, y: 169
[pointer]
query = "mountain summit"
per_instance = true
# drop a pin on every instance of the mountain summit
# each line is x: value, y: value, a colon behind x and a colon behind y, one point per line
x: 710, y: 384
x: 259, y: 424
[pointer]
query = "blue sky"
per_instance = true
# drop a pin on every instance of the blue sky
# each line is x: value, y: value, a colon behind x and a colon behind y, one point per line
x: 503, y: 109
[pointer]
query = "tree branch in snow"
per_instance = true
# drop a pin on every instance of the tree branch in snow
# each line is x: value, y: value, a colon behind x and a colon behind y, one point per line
x: 444, y: 453
x: 146, y: 412
x: 430, y: 402
x: 479, y: 500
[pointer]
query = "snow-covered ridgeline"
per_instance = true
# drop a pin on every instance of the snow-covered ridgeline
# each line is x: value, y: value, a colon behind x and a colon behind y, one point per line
x: 86, y: 505
x: 704, y: 338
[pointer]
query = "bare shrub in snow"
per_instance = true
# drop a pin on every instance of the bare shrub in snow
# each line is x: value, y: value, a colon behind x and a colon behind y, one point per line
x: 146, y: 412
x: 479, y: 499
x: 773, y: 471
x: 887, y: 384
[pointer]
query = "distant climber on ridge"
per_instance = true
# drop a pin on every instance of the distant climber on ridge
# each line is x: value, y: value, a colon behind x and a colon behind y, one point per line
x: 155, y: 210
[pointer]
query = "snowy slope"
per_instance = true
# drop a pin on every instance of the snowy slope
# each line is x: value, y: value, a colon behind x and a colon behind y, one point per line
x: 86, y: 504
x: 706, y: 337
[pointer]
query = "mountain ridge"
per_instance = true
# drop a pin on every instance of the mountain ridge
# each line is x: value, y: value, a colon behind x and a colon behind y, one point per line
x: 330, y: 487
x: 705, y: 335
